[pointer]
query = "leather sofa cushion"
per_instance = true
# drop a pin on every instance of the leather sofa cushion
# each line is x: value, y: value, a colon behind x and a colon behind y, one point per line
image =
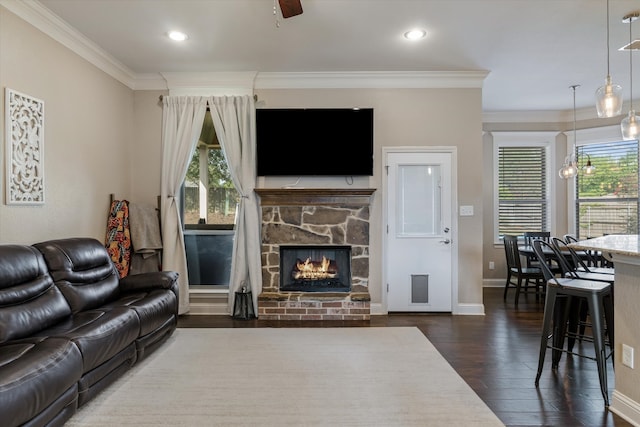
x: 82, y: 269
x: 153, y: 308
x: 99, y: 334
x: 29, y: 301
x: 34, y: 373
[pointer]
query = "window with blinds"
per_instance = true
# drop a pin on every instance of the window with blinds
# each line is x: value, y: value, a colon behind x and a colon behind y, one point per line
x: 522, y: 189
x: 607, y: 199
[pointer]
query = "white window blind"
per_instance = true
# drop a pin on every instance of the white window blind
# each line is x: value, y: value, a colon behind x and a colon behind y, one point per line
x: 522, y: 188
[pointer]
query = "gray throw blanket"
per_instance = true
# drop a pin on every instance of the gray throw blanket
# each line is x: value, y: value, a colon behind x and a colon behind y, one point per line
x: 145, y: 238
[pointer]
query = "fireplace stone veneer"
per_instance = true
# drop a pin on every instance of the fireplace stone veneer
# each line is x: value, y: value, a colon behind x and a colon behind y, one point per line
x: 315, y: 217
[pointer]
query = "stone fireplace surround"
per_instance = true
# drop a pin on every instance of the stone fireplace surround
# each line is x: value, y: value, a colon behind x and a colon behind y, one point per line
x: 314, y: 216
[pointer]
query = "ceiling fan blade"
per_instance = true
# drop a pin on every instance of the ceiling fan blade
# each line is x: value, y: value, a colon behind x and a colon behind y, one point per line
x: 290, y: 8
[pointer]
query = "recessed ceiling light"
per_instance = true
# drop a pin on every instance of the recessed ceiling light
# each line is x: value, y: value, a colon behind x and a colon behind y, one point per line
x: 415, y: 34
x: 177, y: 36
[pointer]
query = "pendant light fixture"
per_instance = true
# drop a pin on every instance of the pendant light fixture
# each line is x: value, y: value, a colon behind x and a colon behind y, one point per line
x: 570, y: 167
x: 609, y: 96
x: 588, y: 168
x: 629, y: 125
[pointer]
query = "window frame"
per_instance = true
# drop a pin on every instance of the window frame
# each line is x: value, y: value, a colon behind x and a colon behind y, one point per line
x: 524, y: 139
x: 599, y: 135
x: 198, y: 226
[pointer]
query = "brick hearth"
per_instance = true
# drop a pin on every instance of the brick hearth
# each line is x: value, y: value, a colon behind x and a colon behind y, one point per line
x: 315, y: 217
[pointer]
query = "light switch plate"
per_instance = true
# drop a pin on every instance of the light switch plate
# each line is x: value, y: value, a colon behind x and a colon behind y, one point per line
x: 466, y: 210
x: 627, y: 355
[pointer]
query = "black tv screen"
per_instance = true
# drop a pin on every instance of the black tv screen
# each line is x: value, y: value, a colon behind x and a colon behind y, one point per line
x: 314, y: 141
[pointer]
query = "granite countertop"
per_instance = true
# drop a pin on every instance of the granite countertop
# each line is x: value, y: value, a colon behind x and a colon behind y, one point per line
x: 613, y: 244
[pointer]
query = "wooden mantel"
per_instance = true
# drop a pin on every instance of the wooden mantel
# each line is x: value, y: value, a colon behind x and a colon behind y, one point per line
x: 315, y: 196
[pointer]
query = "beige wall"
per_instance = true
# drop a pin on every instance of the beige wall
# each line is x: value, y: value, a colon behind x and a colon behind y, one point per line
x: 102, y: 138
x: 87, y: 138
x: 411, y: 117
x: 146, y: 147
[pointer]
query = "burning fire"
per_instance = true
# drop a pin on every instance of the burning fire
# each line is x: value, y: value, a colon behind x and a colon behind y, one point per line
x: 314, y: 270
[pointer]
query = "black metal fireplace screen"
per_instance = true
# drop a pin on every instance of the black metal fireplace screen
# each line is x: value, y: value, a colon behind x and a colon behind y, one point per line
x: 315, y: 268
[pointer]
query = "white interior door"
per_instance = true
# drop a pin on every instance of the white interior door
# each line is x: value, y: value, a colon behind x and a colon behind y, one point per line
x: 419, y: 235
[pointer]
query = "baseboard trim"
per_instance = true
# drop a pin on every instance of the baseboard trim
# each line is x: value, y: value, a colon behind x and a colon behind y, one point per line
x: 625, y: 407
x: 459, y: 309
x: 493, y: 283
x: 208, y: 309
x: 469, y: 310
x: 375, y: 308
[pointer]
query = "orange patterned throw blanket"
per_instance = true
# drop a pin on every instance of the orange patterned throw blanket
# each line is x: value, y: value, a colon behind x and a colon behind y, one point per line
x: 118, y: 240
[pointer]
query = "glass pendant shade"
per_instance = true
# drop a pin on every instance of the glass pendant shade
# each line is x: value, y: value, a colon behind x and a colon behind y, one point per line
x: 589, y: 168
x: 563, y: 173
x: 629, y: 126
x: 609, y: 99
x: 572, y: 170
x: 569, y: 169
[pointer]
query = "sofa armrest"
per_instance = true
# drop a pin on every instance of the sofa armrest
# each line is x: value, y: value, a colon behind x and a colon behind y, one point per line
x: 149, y: 281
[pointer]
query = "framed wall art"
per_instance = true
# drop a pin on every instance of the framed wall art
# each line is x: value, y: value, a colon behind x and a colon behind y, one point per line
x: 24, y: 123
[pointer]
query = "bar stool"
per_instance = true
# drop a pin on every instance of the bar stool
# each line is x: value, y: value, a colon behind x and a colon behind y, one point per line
x: 579, y: 270
x: 598, y: 296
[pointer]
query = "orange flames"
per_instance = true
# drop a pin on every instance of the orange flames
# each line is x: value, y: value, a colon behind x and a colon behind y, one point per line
x: 315, y: 270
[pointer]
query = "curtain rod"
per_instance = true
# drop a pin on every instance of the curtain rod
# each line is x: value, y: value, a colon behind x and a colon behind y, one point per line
x: 255, y: 98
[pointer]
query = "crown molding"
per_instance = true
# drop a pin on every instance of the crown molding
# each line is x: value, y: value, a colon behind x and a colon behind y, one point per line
x: 210, y: 83
x: 149, y: 81
x: 594, y: 135
x: 46, y: 21
x: 522, y: 116
x: 538, y: 116
x: 370, y: 79
x: 500, y: 137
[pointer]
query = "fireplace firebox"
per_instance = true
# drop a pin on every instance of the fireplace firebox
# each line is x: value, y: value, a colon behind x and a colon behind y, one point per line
x: 324, y: 268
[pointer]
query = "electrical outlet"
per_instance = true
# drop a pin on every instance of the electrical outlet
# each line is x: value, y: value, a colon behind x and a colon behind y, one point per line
x: 492, y: 265
x: 627, y: 355
x: 466, y: 210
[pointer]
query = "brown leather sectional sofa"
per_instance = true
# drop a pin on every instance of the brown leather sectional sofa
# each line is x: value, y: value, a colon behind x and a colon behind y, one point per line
x: 69, y: 326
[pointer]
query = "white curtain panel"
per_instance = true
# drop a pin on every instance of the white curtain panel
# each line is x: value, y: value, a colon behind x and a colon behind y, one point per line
x: 235, y: 125
x: 182, y: 118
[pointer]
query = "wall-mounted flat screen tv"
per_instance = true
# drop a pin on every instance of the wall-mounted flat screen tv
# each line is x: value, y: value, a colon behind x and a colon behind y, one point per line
x: 314, y: 141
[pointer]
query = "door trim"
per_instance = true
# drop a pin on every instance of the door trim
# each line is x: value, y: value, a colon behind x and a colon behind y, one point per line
x: 453, y: 151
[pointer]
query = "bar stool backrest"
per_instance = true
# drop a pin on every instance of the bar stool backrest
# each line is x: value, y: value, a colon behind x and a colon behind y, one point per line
x: 570, y: 238
x: 563, y: 247
x: 538, y: 246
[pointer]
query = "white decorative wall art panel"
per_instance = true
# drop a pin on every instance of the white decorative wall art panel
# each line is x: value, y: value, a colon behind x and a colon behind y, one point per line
x: 24, y: 148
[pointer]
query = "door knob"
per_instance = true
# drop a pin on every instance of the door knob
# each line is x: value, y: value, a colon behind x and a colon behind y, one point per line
x: 445, y: 241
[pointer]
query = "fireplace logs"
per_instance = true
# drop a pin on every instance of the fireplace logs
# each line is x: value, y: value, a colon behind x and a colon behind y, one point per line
x: 316, y: 268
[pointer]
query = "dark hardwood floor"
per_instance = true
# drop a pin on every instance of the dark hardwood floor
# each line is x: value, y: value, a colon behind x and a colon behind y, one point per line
x: 497, y: 355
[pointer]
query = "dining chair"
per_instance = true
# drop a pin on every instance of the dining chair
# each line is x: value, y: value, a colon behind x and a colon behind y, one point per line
x: 528, y: 238
x: 517, y: 274
x: 561, y: 297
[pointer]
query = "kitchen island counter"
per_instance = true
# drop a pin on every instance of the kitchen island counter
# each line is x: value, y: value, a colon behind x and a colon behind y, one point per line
x: 624, y: 252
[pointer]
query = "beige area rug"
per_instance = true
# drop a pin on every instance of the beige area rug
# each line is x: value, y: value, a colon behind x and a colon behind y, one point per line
x: 290, y: 377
